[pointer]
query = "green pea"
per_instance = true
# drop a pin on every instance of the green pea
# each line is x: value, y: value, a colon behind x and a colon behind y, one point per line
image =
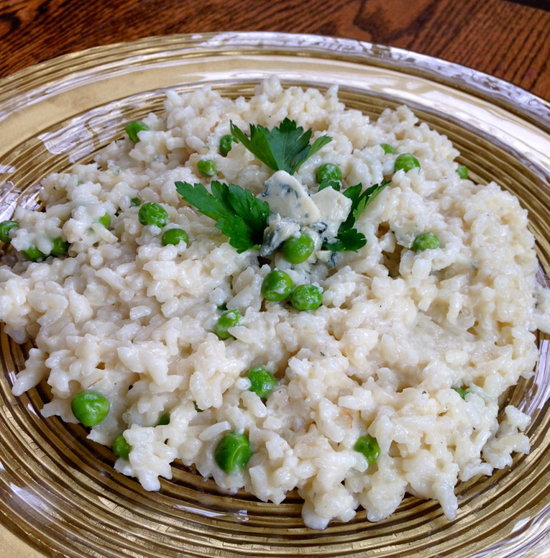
x: 425, y: 241
x: 105, y: 220
x: 60, y: 247
x: 33, y: 254
x: 225, y: 144
x: 262, y: 381
x: 233, y: 452
x: 164, y: 419
x: 462, y: 171
x: 368, y: 446
x: 134, y: 128
x: 5, y: 228
x: 328, y: 172
x: 462, y: 392
x: 277, y: 285
x: 228, y: 319
x: 405, y: 162
x: 174, y: 236
x: 207, y: 167
x: 135, y: 202
x: 90, y: 407
x: 298, y: 249
x: 388, y: 149
x: 121, y: 448
x: 152, y: 213
x: 306, y: 297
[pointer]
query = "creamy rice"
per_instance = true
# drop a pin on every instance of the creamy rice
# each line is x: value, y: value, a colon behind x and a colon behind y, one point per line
x: 397, y: 330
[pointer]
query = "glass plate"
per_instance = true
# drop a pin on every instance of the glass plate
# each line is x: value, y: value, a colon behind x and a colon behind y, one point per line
x: 59, y: 492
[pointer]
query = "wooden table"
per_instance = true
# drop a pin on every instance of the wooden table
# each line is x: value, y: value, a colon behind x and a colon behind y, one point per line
x: 510, y: 40
x: 505, y: 38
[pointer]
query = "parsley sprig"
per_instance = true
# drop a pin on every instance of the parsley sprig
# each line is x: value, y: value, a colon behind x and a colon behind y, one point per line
x: 238, y: 214
x: 348, y: 237
x: 285, y: 147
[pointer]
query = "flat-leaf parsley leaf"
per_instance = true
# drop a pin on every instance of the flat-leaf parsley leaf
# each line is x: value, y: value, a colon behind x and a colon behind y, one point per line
x: 238, y: 214
x: 285, y: 147
x: 347, y: 240
x: 348, y: 237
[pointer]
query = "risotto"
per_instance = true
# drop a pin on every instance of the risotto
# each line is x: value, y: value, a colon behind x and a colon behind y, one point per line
x: 341, y: 323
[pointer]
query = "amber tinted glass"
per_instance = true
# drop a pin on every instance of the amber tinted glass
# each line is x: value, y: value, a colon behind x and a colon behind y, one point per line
x: 59, y: 491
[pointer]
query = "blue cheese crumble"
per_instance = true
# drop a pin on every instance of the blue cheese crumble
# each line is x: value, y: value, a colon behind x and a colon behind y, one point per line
x: 295, y: 211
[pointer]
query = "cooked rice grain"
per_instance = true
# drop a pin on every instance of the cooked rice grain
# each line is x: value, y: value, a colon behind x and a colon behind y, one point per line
x: 132, y: 319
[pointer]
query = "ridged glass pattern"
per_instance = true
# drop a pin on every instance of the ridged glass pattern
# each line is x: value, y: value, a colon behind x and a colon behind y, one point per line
x: 59, y: 492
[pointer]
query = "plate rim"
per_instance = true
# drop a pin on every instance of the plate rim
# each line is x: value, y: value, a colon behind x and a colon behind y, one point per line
x: 514, y: 98
x: 395, y: 55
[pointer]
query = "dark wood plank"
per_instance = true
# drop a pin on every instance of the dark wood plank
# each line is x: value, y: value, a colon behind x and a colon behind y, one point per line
x: 540, y: 4
x: 506, y: 39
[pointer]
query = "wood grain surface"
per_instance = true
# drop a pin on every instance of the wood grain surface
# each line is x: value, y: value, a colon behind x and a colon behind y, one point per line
x: 510, y: 40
